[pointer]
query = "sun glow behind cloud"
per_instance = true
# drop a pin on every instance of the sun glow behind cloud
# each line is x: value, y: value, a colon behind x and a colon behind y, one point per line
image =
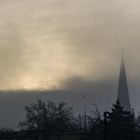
x: 43, y: 43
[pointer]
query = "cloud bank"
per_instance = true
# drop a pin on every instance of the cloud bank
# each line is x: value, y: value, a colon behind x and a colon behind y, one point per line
x: 47, y: 42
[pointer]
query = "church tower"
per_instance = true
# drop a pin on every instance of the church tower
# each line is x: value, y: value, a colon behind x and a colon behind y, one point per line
x: 123, y: 93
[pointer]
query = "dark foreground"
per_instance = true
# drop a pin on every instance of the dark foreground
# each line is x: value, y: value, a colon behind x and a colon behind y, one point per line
x: 26, y: 135
x: 34, y: 136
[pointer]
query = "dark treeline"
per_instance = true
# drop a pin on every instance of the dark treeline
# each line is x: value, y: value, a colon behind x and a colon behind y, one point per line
x: 49, y: 118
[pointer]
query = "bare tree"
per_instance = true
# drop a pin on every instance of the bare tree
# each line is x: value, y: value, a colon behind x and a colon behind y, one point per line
x: 94, y: 119
x: 48, y: 116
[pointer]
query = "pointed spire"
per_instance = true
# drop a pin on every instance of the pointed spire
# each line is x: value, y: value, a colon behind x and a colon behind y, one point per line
x: 85, y: 120
x: 123, y: 94
x: 85, y: 116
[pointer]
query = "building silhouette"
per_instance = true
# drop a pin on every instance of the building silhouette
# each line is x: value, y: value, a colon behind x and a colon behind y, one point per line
x: 123, y: 93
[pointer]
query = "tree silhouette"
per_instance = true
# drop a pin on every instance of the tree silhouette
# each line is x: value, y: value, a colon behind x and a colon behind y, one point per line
x: 121, y: 124
x: 49, y: 117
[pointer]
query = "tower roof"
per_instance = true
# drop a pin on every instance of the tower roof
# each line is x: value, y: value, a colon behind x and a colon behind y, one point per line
x: 123, y: 93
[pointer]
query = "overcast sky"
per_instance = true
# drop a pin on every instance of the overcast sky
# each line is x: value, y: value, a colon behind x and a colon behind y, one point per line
x: 61, y: 45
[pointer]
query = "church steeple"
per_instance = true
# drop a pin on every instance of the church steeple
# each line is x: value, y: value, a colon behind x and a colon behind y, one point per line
x: 123, y: 93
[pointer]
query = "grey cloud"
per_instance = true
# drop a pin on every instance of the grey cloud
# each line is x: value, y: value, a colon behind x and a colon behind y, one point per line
x: 12, y: 102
